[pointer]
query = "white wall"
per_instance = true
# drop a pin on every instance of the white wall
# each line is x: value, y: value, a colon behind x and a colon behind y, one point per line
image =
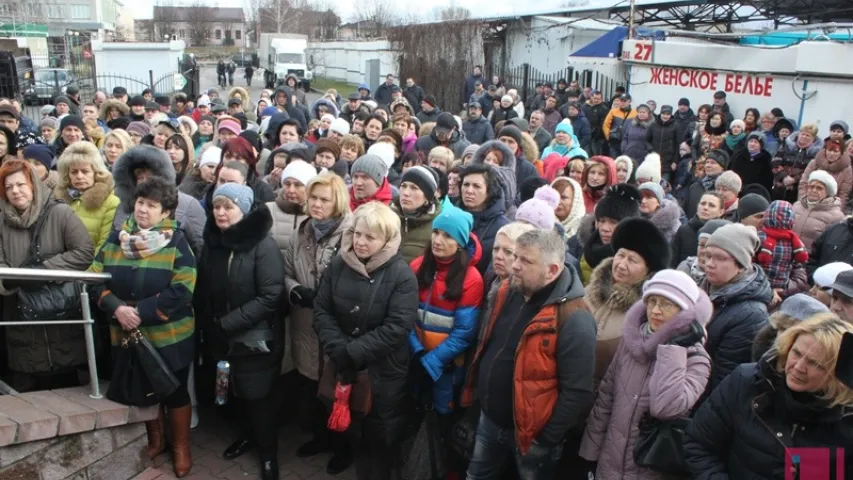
x: 345, y: 61
x: 547, y: 42
x: 134, y: 60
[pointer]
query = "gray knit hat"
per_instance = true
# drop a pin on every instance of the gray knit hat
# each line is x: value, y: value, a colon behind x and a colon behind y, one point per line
x: 654, y: 188
x: 371, y: 165
x: 801, y: 307
x: 730, y: 180
x: 241, y: 195
x: 711, y: 226
x: 750, y: 204
x: 738, y: 240
x: 470, y: 149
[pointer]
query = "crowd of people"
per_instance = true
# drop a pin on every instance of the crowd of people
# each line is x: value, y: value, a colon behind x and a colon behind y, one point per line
x: 562, y: 276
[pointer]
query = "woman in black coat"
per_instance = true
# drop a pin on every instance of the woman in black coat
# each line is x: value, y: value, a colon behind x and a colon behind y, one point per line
x: 363, y: 313
x: 240, y: 289
x: 763, y: 419
x: 686, y: 241
x: 752, y: 162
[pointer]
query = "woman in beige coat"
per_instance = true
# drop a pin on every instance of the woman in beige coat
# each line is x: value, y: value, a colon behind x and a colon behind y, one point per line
x: 311, y: 247
x: 818, y: 208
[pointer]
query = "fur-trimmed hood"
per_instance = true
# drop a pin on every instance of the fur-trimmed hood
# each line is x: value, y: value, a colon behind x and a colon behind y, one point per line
x: 141, y: 156
x: 586, y: 228
x: 505, y: 172
x: 812, y: 150
x: 92, y: 198
x: 835, y: 167
x: 644, y: 348
x: 401, y: 101
x: 529, y: 148
x: 244, y: 97
x: 328, y: 103
x: 113, y: 103
x: 646, y: 124
x: 601, y: 289
x: 667, y: 218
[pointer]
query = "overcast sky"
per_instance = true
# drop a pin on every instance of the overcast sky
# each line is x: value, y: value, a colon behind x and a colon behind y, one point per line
x: 479, y: 8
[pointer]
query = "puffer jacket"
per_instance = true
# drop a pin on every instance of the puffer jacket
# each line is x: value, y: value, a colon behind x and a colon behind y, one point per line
x: 667, y: 218
x: 749, y: 422
x: 305, y: 260
x: 662, y: 138
x: 812, y: 219
x: 96, y: 207
x: 286, y: 218
x: 794, y: 161
x: 478, y: 131
x: 634, y: 140
x: 609, y: 302
x: 457, y: 143
x: 686, y: 241
x: 415, y: 230
x: 64, y: 245
x: 840, y: 170
x: 835, y: 244
x: 740, y: 310
x: 445, y: 329
x: 647, y: 377
x: 486, y: 225
x: 374, y: 334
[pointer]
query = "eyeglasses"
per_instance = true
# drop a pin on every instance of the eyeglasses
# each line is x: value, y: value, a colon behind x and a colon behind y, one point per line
x: 718, y: 258
x: 662, y: 304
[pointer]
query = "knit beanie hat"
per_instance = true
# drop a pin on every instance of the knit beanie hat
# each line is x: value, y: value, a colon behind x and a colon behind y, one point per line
x: 654, y: 188
x: 712, y: 226
x: 72, y: 121
x: 139, y: 101
x: 823, y: 277
x: 566, y: 127
x: 644, y: 238
x: 241, y: 195
x: 455, y: 222
x: 211, y: 156
x: 386, y: 152
x: 140, y: 128
x: 425, y: 178
x: 650, y: 169
x: 729, y: 180
x: 470, y: 150
x: 758, y: 136
x: 675, y: 286
x: 340, y: 126
x: 757, y: 189
x: 620, y: 201
x: 48, y: 122
x: 510, y: 131
x: 827, y: 180
x: 300, y: 171
x: 538, y: 211
x: 719, y: 156
x: 800, y: 307
x: 737, y: 123
x: 47, y: 109
x: 327, y: 144
x: 751, y: 204
x: 738, y: 240
x: 41, y: 153
x: 371, y: 165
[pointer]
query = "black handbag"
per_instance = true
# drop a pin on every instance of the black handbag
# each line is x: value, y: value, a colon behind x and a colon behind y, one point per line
x: 140, y: 378
x: 50, y: 300
x: 660, y: 445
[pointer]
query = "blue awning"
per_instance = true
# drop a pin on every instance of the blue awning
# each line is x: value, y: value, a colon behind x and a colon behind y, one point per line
x: 608, y: 45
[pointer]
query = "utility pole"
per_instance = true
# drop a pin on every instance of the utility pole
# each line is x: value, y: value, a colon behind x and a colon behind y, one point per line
x: 631, y: 19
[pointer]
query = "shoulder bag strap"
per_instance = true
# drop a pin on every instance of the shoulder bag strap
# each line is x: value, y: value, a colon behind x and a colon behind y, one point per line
x: 375, y: 285
x: 33, y: 254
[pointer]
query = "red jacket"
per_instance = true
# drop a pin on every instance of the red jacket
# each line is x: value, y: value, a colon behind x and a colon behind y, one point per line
x: 382, y: 195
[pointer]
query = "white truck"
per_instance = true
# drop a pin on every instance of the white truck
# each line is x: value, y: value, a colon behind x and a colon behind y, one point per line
x: 281, y: 54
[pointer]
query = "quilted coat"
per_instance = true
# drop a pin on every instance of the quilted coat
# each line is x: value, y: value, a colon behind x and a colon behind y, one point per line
x: 840, y: 170
x: 96, y: 207
x: 305, y: 261
x: 812, y: 219
x: 646, y: 376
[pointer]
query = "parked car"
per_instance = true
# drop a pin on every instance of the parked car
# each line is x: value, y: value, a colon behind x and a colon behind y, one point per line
x: 242, y: 60
x: 48, y: 84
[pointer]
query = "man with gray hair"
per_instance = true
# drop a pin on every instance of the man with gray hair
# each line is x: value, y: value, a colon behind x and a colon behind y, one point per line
x: 533, y: 369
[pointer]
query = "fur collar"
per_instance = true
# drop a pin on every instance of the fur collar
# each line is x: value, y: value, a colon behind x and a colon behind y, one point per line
x: 286, y: 206
x: 643, y: 348
x: 92, y: 198
x: 529, y: 148
x: 667, y: 218
x: 835, y: 167
x: 601, y: 289
x: 140, y: 156
x: 380, y: 258
x: 242, y: 236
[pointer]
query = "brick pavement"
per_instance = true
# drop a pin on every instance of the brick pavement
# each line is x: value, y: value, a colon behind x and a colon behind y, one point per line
x: 212, y: 437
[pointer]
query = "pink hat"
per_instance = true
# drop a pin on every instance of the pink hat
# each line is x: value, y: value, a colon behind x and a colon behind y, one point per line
x: 675, y: 286
x: 536, y: 212
x: 230, y: 125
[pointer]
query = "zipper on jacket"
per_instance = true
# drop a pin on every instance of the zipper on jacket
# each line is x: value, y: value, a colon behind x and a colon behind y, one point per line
x: 524, y: 334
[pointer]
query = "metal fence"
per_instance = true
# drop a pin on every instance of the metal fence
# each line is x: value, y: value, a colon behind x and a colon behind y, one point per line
x: 87, y: 322
x: 524, y: 78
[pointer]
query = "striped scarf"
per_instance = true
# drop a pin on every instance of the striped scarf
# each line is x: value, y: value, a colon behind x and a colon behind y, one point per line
x: 137, y: 243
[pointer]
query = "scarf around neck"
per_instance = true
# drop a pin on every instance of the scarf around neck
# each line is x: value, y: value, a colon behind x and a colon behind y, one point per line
x: 708, y: 182
x: 733, y: 140
x: 137, y: 243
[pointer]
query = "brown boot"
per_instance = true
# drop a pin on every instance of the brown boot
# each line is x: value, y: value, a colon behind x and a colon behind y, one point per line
x: 156, y: 430
x: 181, y: 456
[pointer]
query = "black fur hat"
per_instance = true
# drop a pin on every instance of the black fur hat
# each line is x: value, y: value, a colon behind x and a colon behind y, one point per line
x: 643, y: 237
x: 620, y: 201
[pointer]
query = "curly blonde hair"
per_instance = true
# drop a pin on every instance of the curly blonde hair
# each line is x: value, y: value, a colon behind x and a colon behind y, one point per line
x: 80, y: 153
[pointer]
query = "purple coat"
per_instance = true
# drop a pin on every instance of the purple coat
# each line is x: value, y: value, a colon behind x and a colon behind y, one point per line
x: 646, y: 375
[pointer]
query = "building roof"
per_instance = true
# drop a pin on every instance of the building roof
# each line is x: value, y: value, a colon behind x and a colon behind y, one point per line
x: 216, y: 14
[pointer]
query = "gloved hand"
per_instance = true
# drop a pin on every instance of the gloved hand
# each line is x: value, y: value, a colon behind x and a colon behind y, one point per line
x: 341, y: 358
x: 303, y: 296
x: 695, y: 334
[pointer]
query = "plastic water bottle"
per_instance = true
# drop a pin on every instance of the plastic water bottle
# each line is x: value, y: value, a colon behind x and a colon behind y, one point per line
x: 223, y: 368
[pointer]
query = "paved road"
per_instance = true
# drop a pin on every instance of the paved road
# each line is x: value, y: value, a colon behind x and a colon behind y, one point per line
x: 208, y: 80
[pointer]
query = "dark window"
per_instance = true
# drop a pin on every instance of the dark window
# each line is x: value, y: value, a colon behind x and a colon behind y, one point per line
x: 218, y: 34
x: 237, y: 34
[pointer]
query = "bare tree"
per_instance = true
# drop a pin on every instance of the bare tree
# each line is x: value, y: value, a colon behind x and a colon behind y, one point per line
x: 164, y: 19
x: 282, y: 16
x: 454, y: 13
x: 377, y: 15
x: 198, y: 22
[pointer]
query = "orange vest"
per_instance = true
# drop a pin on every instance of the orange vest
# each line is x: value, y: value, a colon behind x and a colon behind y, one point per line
x: 535, y: 381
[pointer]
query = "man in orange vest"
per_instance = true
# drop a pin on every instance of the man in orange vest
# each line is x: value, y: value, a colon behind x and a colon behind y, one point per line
x: 533, y: 369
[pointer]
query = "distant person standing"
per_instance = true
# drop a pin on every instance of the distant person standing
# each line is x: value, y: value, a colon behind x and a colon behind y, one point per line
x: 231, y: 68
x: 248, y: 74
x: 220, y: 73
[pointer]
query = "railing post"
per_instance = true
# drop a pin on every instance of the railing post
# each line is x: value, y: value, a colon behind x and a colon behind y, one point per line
x: 88, y: 330
x: 525, y: 79
x: 151, y: 80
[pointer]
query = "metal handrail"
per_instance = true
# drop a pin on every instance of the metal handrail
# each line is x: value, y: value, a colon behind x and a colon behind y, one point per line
x: 84, y: 278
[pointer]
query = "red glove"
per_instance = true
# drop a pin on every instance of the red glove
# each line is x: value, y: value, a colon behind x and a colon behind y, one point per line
x: 340, y: 418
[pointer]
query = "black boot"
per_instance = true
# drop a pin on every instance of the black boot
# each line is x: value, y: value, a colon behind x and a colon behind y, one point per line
x: 269, y: 469
x: 238, y: 448
x: 314, y: 447
x: 339, y: 462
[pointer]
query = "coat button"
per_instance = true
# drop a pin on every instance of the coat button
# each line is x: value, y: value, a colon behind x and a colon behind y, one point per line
x: 371, y: 281
x: 779, y: 434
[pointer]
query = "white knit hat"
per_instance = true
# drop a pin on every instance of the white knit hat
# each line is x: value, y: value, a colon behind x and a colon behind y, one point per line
x: 383, y: 150
x: 339, y: 125
x: 827, y: 180
x: 299, y: 170
x: 211, y: 156
x: 649, y: 170
x: 825, y: 275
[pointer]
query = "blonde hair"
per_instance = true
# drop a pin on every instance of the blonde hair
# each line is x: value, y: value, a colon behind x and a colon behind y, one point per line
x: 444, y: 154
x: 809, y: 128
x: 121, y: 136
x: 340, y: 195
x: 828, y: 330
x: 81, y: 153
x: 514, y: 230
x: 574, y: 164
x: 379, y: 218
x: 354, y: 141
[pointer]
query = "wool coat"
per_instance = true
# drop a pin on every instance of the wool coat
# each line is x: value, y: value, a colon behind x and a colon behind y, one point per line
x: 812, y: 219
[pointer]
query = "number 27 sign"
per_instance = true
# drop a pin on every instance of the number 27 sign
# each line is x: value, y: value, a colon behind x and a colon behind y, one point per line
x: 638, y: 51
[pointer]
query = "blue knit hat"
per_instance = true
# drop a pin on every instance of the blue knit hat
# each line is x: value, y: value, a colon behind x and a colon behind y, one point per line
x: 241, y: 195
x: 565, y: 127
x: 455, y: 222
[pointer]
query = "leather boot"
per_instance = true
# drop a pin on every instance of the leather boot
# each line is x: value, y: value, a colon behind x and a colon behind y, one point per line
x: 156, y: 430
x: 181, y: 455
